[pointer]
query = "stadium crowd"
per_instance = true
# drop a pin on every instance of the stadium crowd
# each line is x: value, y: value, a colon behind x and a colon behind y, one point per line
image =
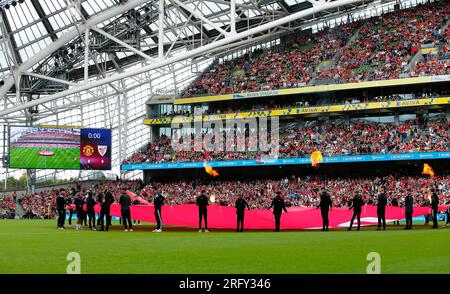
x: 353, y: 137
x: 384, y: 45
x: 381, y: 48
x: 7, y: 206
x: 39, y: 205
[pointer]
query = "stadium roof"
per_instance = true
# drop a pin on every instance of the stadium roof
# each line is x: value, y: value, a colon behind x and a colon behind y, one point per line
x: 32, y: 24
x: 136, y: 48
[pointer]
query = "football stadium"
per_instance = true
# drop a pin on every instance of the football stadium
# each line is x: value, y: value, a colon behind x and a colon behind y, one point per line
x: 225, y: 137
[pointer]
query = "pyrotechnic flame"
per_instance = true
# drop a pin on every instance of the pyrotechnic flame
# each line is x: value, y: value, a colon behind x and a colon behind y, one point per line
x: 210, y: 171
x: 316, y: 158
x: 212, y: 198
x: 428, y: 170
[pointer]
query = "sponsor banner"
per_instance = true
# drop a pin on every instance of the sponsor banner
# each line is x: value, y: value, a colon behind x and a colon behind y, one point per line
x: 256, y: 94
x: 306, y: 110
x: 288, y: 161
x: 95, y: 149
x: 315, y: 89
x: 433, y: 50
x: 442, y: 78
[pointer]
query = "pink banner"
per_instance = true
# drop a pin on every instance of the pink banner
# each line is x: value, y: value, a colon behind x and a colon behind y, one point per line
x: 133, y: 197
x: 224, y: 217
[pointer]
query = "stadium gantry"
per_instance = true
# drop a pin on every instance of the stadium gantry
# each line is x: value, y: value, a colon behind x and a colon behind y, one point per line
x: 96, y: 63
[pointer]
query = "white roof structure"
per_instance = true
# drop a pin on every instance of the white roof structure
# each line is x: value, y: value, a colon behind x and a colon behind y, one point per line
x: 94, y: 63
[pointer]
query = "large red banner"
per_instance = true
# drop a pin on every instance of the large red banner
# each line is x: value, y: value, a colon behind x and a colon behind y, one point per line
x: 224, y: 217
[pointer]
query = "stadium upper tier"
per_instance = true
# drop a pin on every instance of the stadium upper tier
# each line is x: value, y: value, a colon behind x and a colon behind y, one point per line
x: 404, y: 43
x: 336, y: 137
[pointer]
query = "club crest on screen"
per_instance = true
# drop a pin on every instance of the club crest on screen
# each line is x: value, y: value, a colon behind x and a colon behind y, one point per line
x: 102, y: 149
x: 88, y: 150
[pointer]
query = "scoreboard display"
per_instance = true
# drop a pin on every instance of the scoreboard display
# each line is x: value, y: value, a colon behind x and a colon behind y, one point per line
x: 59, y: 148
x: 95, y: 149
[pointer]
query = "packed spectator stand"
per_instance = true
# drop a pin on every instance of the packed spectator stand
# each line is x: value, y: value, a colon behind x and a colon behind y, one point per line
x: 331, y: 138
x: 7, y: 206
x: 378, y: 48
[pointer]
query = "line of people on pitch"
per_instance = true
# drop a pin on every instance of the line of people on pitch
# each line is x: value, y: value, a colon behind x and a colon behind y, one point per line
x: 202, y: 201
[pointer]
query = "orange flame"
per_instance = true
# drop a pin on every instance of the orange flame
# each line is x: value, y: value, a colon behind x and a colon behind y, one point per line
x: 212, y: 198
x: 427, y: 170
x: 316, y: 158
x: 210, y: 171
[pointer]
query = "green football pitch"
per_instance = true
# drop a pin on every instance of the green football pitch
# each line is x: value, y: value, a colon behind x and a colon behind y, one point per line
x: 36, y: 246
x: 28, y: 157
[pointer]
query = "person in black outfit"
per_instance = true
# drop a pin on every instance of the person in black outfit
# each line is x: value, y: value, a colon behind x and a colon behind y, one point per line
x: 202, y: 203
x: 61, y: 208
x: 240, y: 205
x: 434, y: 207
x: 158, y: 202
x: 278, y: 207
x: 357, y: 204
x: 69, y: 202
x: 109, y: 200
x: 101, y: 218
x: 394, y: 202
x: 79, y: 207
x: 125, y: 203
x: 100, y: 198
x: 85, y: 215
x: 325, y: 205
x: 409, y: 202
x: 381, y: 209
x: 90, y: 203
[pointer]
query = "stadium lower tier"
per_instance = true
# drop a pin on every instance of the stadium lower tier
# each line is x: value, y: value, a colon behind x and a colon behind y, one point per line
x: 224, y: 217
x: 332, y: 138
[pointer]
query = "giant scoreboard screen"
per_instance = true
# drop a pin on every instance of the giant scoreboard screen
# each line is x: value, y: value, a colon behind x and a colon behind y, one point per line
x: 59, y: 148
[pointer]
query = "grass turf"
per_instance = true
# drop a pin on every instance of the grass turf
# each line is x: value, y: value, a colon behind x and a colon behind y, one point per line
x: 36, y: 246
x: 28, y: 157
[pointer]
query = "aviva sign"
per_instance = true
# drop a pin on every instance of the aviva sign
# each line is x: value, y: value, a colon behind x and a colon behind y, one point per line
x: 305, y: 110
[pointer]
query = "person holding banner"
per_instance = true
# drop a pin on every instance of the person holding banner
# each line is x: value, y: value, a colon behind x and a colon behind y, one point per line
x: 325, y: 206
x: 357, y: 203
x: 278, y: 207
x: 240, y: 205
x: 202, y: 203
x: 158, y: 202
x: 409, y: 202
x: 381, y: 209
